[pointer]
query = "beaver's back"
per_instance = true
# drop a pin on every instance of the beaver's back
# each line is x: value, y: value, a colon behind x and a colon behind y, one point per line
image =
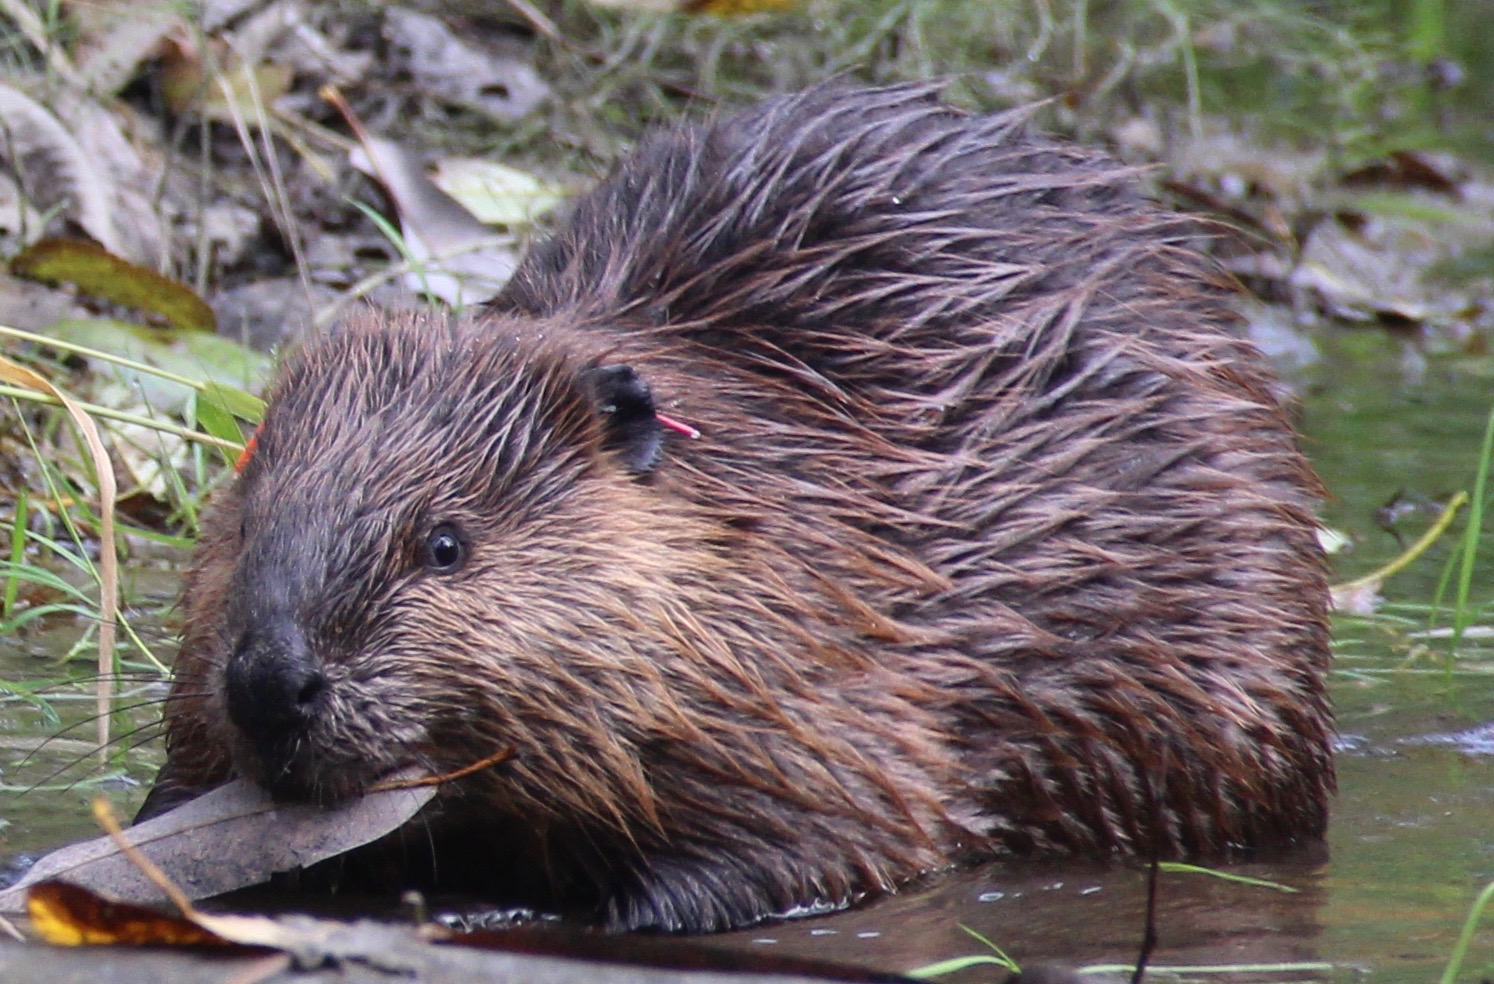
x: 975, y: 378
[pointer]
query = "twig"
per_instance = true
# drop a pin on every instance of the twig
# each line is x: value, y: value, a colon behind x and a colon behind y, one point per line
x: 495, y: 759
x: 105, y: 817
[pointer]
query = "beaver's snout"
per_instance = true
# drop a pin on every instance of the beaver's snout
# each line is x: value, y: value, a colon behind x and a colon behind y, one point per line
x: 274, y: 688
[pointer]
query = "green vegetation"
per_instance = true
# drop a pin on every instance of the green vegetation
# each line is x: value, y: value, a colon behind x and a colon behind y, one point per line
x: 1351, y: 78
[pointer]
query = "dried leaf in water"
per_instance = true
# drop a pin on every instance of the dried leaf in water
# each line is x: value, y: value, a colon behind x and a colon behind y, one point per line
x: 65, y: 915
x: 226, y: 839
x: 99, y: 273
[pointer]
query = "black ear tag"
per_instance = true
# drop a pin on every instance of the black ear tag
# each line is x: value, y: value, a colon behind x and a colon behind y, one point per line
x: 629, y: 419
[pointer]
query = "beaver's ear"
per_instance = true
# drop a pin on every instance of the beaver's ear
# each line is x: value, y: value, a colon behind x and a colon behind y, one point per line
x: 629, y: 421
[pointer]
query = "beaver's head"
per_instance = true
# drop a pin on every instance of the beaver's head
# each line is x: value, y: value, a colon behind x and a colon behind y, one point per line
x: 441, y: 532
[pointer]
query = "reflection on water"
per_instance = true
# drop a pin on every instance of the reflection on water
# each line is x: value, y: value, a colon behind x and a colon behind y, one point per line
x: 1076, y: 914
x: 1412, y: 839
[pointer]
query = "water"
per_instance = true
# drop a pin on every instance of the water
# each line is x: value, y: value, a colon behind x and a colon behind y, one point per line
x: 1412, y: 839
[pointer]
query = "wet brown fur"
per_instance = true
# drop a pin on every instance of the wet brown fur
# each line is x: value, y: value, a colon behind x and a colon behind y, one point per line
x: 996, y: 532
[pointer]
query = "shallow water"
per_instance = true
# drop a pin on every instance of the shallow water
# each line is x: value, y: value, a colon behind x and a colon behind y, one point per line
x: 1412, y: 839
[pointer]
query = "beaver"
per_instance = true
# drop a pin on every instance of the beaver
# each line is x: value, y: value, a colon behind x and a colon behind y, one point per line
x: 996, y: 539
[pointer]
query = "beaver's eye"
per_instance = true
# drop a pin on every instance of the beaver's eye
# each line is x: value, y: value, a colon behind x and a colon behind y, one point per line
x: 444, y: 551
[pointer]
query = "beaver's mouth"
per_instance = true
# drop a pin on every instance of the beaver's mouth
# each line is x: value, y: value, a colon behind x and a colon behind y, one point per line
x: 293, y: 770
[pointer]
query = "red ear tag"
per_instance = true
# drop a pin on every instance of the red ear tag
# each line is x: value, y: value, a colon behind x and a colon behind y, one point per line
x: 248, y: 451
x: 669, y: 423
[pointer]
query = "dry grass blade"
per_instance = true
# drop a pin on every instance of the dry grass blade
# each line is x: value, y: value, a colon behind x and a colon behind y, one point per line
x: 19, y: 375
x: 105, y: 817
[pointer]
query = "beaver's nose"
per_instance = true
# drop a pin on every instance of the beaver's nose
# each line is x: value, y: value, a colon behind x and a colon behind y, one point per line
x: 273, y: 685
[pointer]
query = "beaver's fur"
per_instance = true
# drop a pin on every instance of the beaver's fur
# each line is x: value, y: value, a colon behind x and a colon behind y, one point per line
x: 997, y: 539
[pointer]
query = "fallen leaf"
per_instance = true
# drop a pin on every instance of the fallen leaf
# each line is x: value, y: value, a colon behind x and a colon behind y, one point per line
x: 456, y: 257
x: 196, y: 356
x: 237, y: 93
x: 736, y: 8
x: 134, y: 168
x: 1405, y: 169
x: 115, y: 37
x: 495, y: 193
x: 456, y: 71
x: 57, y: 171
x: 226, y: 839
x: 99, y: 273
x: 66, y: 915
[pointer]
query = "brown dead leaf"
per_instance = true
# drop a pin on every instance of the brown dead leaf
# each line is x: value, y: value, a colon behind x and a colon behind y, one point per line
x: 99, y: 273
x: 66, y: 915
x: 736, y: 8
x: 239, y: 91
x: 226, y: 839
x: 1405, y: 169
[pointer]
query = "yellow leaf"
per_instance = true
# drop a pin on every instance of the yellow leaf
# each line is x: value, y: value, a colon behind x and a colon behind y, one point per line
x: 65, y: 915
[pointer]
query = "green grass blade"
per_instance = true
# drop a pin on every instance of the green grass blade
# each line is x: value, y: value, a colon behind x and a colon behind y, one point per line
x: 20, y: 518
x: 1465, y: 939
